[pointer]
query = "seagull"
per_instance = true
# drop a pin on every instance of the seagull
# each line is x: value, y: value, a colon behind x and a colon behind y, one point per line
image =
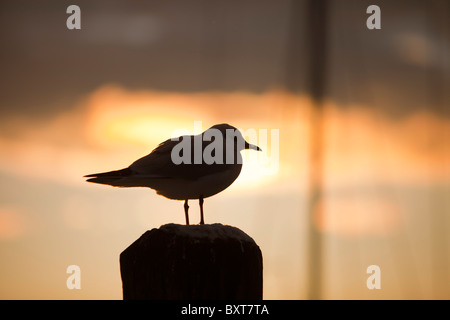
x: 187, y: 167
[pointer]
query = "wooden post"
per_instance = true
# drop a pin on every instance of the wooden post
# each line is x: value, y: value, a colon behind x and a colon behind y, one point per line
x: 192, y: 262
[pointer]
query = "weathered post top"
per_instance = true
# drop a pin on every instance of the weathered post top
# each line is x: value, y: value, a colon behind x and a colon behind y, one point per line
x: 192, y: 262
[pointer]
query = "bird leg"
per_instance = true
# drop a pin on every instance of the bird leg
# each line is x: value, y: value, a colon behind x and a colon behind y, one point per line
x: 186, y: 211
x: 201, y: 210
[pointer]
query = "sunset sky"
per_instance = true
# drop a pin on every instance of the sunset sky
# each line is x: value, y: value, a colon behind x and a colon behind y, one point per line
x: 75, y: 102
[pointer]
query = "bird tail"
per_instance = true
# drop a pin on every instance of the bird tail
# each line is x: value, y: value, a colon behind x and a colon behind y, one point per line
x: 111, y: 178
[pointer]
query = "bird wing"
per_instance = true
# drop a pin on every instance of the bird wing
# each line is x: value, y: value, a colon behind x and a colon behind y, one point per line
x: 159, y: 164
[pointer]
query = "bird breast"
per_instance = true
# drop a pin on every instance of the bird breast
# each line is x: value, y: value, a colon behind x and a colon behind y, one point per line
x: 203, y: 186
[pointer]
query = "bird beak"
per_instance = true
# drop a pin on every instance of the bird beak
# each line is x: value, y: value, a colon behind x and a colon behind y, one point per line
x: 252, y: 146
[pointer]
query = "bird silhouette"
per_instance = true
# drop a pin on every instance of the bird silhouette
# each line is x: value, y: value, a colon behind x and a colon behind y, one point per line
x: 187, y: 167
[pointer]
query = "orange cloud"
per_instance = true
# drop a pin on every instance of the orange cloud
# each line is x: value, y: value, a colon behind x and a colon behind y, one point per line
x: 362, y: 145
x: 360, y: 215
x: 13, y: 223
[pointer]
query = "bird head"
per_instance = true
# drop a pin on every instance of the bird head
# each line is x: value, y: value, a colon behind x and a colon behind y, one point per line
x: 230, y: 133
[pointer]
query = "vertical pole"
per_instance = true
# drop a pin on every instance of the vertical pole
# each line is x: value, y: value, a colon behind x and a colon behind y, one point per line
x: 306, y: 69
x: 316, y: 80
